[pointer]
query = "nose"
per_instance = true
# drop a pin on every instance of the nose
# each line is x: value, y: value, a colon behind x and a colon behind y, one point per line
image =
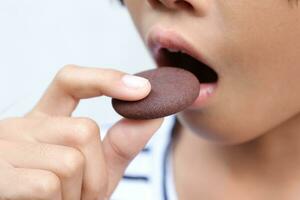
x: 198, y: 6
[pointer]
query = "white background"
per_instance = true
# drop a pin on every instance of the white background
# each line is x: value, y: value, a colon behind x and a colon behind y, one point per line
x: 38, y: 37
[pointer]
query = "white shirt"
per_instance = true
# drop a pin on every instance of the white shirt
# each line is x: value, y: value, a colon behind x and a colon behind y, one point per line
x: 149, y: 176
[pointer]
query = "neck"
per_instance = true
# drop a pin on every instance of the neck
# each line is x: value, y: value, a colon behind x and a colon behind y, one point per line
x: 268, y: 160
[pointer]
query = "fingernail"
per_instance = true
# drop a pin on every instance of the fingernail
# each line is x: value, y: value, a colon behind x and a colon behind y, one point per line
x: 134, y: 82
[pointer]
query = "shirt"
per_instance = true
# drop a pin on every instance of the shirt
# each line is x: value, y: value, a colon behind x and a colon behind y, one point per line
x: 149, y: 176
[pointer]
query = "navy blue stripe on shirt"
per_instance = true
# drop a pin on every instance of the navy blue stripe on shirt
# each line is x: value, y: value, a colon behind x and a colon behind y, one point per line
x: 146, y: 150
x: 136, y: 178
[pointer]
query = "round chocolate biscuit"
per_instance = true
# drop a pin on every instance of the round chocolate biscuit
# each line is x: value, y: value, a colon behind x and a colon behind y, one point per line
x: 172, y: 90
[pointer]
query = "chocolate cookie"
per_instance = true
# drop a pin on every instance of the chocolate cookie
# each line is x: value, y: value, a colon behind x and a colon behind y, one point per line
x: 172, y: 90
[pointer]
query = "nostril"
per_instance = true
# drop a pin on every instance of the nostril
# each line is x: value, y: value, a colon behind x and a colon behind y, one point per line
x: 154, y: 3
x: 173, y: 4
x: 184, y: 4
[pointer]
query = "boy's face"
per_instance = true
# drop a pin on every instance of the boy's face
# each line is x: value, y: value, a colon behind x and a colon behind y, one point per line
x: 254, y: 46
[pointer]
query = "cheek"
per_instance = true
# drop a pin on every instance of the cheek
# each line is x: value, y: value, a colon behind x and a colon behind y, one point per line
x: 240, y: 118
x: 259, y: 89
x: 256, y: 95
x: 260, y: 66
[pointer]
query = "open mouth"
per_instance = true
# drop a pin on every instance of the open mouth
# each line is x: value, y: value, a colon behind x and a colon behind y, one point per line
x: 171, y: 49
x: 177, y: 58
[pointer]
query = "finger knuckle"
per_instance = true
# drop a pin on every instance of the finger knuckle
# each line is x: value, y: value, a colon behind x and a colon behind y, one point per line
x: 46, y: 187
x: 72, y: 164
x: 63, y: 75
x: 87, y: 130
x: 120, y: 152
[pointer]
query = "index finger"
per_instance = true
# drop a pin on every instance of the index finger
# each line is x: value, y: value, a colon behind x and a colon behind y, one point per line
x: 73, y: 83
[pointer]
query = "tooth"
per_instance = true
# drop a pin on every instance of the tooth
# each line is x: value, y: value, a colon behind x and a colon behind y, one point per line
x: 210, y: 90
x: 174, y: 50
x: 183, y: 51
x: 202, y: 92
x: 206, y: 91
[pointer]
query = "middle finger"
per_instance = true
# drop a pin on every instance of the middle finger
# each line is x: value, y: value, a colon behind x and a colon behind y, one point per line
x: 84, y: 135
x: 67, y: 163
x: 80, y: 133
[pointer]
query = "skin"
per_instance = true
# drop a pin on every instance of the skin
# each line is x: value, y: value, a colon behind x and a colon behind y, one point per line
x: 244, y: 142
x: 50, y: 155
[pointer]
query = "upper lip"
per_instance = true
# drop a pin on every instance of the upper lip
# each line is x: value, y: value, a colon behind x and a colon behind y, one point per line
x: 159, y: 39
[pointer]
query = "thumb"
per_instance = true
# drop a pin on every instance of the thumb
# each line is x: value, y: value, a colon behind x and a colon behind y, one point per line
x: 123, y: 142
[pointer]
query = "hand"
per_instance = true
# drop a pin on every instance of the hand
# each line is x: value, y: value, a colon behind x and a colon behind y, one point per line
x: 48, y: 154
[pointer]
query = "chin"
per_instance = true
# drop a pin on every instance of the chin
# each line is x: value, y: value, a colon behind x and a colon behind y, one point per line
x: 219, y: 132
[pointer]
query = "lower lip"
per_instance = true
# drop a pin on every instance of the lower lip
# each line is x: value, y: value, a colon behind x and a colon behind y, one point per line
x: 207, y: 90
